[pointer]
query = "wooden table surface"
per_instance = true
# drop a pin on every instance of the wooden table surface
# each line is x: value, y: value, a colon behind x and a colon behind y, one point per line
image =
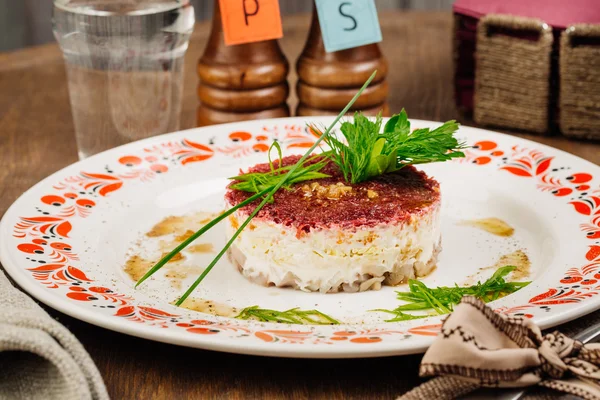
x: 37, y: 139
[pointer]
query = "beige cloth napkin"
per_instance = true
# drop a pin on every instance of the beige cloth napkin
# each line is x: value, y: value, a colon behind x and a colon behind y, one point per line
x: 40, y: 358
x: 478, y: 347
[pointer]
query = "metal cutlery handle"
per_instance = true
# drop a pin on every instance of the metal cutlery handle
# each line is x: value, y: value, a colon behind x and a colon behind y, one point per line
x: 588, y: 335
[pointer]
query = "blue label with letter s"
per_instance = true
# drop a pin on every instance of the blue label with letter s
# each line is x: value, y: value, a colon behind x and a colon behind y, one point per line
x: 348, y: 23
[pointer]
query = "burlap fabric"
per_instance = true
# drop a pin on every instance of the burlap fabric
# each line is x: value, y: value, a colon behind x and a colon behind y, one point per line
x: 478, y: 347
x: 512, y: 74
x: 40, y: 358
x: 579, y: 97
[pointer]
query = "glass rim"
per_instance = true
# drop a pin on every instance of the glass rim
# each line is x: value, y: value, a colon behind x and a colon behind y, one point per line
x: 79, y: 8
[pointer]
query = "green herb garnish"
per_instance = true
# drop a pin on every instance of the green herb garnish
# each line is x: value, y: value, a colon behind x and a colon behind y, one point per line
x: 291, y: 316
x: 443, y: 299
x: 400, y: 316
x: 277, y: 181
x: 367, y: 153
x: 258, y: 181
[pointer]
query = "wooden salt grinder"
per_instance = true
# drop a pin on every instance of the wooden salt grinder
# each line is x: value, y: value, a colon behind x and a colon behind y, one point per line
x: 328, y: 81
x: 240, y: 82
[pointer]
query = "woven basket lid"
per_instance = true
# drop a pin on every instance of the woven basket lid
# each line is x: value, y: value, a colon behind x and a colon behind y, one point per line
x: 556, y: 13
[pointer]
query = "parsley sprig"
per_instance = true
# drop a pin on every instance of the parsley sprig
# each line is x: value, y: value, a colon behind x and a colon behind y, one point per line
x: 366, y: 153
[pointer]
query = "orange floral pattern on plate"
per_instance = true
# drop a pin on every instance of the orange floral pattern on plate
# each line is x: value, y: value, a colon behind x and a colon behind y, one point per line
x: 44, y: 237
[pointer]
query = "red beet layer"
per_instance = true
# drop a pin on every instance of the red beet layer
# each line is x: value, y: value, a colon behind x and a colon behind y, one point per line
x: 399, y: 196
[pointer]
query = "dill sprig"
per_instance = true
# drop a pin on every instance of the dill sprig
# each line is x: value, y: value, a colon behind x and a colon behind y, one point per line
x: 443, y: 299
x: 400, y: 316
x: 291, y: 316
x: 366, y: 153
x: 267, y: 194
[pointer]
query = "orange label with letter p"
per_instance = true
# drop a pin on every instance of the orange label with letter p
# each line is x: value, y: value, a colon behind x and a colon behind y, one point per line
x: 246, y: 21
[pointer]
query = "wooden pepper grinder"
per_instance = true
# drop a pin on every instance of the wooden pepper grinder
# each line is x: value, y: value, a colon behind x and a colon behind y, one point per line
x: 328, y: 81
x: 241, y: 82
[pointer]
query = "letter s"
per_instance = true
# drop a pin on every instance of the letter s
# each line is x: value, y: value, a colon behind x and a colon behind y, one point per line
x: 346, y: 3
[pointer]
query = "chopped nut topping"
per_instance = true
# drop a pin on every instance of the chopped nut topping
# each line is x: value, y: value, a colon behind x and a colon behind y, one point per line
x: 331, y: 192
x: 372, y: 194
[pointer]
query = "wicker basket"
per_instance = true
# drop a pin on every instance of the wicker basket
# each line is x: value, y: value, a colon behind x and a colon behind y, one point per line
x: 512, y: 74
x: 579, y: 95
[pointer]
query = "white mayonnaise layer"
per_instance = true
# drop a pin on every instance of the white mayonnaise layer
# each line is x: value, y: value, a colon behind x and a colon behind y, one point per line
x: 331, y: 260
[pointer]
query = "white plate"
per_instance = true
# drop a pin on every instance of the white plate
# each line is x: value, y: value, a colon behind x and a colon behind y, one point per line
x: 66, y: 240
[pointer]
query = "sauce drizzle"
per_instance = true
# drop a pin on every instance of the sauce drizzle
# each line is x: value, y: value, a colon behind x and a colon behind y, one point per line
x: 495, y: 226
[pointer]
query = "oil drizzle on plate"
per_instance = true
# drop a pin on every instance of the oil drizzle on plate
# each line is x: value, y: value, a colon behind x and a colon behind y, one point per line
x: 180, y: 225
x: 201, y: 248
x: 494, y: 226
x: 136, y: 267
x: 172, y: 231
x: 210, y: 307
x: 517, y: 259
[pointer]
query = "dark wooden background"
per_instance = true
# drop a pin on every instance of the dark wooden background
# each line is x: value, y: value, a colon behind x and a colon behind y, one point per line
x: 36, y: 139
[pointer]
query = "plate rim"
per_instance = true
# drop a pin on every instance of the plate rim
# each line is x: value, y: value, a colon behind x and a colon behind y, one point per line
x: 233, y: 346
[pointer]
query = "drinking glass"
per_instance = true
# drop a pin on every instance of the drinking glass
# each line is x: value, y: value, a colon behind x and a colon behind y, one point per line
x: 124, y: 63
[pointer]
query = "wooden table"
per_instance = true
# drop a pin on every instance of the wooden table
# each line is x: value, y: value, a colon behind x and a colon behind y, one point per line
x: 36, y: 139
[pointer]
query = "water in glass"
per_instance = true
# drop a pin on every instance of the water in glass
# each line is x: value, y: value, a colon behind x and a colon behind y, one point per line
x: 124, y: 61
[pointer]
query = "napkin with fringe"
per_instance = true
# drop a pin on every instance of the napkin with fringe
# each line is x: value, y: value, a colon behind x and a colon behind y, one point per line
x: 478, y: 347
x: 40, y: 358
